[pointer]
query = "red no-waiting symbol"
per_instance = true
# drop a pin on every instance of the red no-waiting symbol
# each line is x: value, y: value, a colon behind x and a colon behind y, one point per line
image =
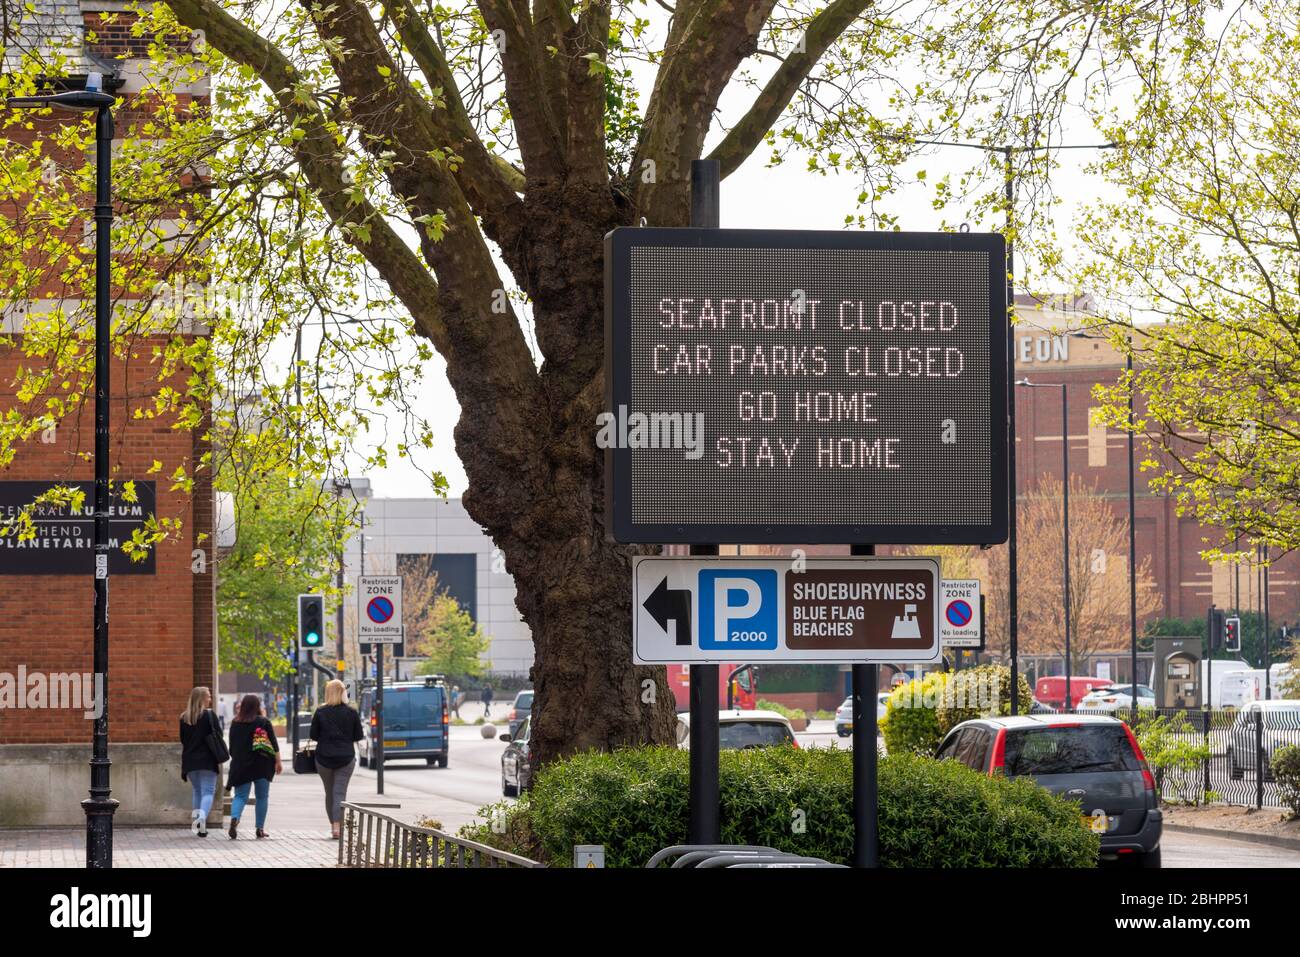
x: 959, y: 613
x: 380, y: 609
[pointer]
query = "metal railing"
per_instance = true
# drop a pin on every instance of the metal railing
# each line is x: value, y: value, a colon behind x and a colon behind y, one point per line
x: 1236, y: 752
x: 710, y: 856
x: 371, y: 839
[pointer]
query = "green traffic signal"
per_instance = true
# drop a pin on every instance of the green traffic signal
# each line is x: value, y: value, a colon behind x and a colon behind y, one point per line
x: 311, y: 622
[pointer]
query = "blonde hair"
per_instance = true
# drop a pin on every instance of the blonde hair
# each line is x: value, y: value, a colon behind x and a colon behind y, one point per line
x: 335, y: 692
x: 191, y: 714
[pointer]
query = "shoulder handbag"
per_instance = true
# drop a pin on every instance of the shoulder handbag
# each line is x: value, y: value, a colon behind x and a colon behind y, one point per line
x: 304, y: 759
x: 216, y: 743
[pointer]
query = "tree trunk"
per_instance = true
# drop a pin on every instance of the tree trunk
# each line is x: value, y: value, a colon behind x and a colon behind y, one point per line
x: 536, y: 483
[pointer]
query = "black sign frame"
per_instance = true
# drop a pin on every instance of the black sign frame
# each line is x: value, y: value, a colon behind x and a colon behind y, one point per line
x: 621, y: 527
x: 78, y: 560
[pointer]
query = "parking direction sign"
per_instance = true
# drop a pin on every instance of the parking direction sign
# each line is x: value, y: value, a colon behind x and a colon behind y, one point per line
x: 379, y: 609
x: 960, y: 625
x: 782, y: 610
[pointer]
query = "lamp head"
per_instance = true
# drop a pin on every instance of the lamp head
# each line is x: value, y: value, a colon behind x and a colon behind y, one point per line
x: 92, y: 97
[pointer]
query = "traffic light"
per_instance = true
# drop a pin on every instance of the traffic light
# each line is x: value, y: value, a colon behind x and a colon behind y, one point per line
x: 1232, y: 634
x: 1216, y: 622
x: 311, y: 622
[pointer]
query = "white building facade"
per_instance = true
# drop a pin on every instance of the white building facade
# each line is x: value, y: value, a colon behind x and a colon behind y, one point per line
x: 469, y: 566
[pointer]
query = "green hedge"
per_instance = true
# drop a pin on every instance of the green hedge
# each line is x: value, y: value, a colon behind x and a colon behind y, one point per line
x: 932, y: 814
x: 911, y: 722
x: 980, y: 693
x: 1286, y: 771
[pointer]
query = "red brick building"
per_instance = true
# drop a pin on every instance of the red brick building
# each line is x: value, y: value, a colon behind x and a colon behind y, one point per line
x: 161, y: 611
x: 1048, y: 354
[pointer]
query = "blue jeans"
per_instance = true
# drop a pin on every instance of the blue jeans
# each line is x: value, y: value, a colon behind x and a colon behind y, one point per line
x: 262, y: 789
x: 203, y: 785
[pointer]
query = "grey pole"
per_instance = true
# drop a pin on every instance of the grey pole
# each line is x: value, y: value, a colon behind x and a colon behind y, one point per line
x: 1013, y: 582
x: 1268, y: 683
x: 1132, y: 540
x: 705, y: 816
x: 866, y: 831
x: 1065, y: 532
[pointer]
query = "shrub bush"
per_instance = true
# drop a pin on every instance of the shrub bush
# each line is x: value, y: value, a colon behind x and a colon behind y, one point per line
x: 911, y: 724
x: 1174, y: 749
x: 790, y: 714
x: 932, y: 814
x: 979, y: 693
x: 1286, y: 772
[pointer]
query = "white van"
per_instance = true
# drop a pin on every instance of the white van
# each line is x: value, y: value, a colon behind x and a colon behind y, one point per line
x: 1220, y: 671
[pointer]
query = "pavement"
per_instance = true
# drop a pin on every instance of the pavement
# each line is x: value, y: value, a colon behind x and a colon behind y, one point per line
x: 296, y: 821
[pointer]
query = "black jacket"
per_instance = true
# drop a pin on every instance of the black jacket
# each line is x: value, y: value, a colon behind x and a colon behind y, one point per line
x: 335, y: 728
x: 195, y: 753
x: 246, y: 764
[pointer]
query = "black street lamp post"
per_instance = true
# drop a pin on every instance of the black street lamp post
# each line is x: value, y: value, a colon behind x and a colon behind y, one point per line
x: 1132, y: 521
x: 1009, y: 193
x: 99, y: 807
x: 1065, y: 521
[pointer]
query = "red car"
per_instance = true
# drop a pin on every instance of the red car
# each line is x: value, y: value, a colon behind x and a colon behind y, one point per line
x: 1051, y: 691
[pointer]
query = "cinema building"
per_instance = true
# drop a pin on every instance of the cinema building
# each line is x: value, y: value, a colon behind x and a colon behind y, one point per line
x: 161, y: 610
x: 1051, y: 349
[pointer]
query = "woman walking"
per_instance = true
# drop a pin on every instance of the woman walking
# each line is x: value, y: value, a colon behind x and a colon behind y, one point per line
x: 254, y: 761
x: 202, y: 752
x: 335, y: 727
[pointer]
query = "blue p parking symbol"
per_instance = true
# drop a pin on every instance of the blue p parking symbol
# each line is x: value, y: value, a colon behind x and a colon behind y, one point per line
x: 738, y: 609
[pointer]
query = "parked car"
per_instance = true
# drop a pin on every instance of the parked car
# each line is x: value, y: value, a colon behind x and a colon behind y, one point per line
x: 1051, y: 690
x: 416, y: 720
x: 844, y: 714
x: 517, y: 761
x: 1037, y: 707
x: 743, y: 729
x: 1116, y: 698
x: 520, y: 709
x: 1280, y: 727
x: 1092, y: 759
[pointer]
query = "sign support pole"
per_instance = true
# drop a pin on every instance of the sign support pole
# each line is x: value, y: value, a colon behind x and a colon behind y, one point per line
x: 379, y: 718
x: 705, y: 794
x: 866, y: 681
x: 291, y: 706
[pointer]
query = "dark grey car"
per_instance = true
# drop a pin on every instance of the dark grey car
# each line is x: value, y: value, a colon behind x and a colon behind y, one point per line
x: 1091, y: 759
x: 517, y: 762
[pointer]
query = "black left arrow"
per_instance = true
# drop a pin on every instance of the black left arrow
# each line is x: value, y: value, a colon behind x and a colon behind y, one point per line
x: 675, y: 603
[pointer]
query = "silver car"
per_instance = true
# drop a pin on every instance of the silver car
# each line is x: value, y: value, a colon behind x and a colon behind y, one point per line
x: 1280, y: 726
x: 844, y: 714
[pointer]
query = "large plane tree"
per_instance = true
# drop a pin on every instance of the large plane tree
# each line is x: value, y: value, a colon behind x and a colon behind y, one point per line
x: 460, y: 163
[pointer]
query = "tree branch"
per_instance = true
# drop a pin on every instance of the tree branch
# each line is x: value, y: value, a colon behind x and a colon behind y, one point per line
x: 531, y: 88
x: 705, y: 45
x: 776, y: 95
x: 488, y: 179
x: 317, y: 157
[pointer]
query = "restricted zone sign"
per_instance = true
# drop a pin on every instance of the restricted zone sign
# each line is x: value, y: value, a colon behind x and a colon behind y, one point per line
x: 801, y: 387
x: 960, y: 624
x: 379, y: 609
x: 778, y: 610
